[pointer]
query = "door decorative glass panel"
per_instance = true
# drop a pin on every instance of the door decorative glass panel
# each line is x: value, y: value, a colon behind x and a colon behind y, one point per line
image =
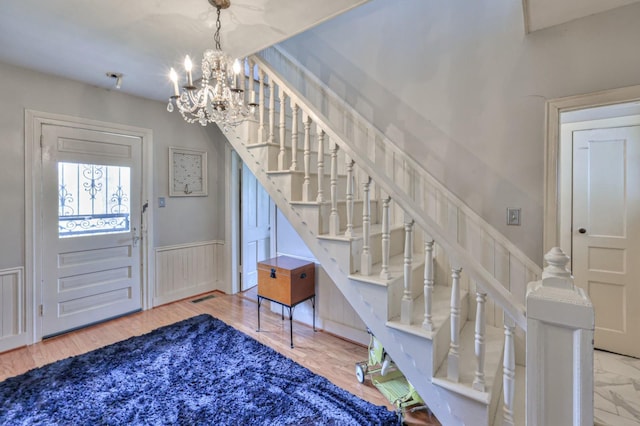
x: 93, y: 199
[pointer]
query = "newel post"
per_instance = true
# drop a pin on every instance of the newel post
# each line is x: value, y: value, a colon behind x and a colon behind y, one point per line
x: 560, y: 326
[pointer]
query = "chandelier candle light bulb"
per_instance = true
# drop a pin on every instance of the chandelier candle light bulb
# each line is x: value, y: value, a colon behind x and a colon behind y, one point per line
x: 188, y: 66
x: 173, y: 76
x: 236, y: 72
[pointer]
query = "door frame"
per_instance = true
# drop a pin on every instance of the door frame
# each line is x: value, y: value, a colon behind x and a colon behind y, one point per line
x: 33, y: 209
x: 552, y: 220
x: 233, y: 229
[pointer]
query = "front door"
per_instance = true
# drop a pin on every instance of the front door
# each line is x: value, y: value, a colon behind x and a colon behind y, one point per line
x: 606, y: 232
x: 91, y: 208
x: 256, y: 227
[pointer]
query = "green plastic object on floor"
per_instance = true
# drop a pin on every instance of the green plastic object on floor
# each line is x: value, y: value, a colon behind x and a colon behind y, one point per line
x: 389, y: 380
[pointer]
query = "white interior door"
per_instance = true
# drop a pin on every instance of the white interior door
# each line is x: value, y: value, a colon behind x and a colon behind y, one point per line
x: 256, y: 227
x: 91, y: 201
x: 606, y: 232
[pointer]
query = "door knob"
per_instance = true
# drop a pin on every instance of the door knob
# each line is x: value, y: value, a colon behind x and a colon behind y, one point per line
x: 582, y: 231
x: 136, y: 237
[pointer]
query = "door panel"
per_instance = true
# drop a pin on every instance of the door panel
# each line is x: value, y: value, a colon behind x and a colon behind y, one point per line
x: 91, y: 220
x: 256, y: 227
x: 606, y: 226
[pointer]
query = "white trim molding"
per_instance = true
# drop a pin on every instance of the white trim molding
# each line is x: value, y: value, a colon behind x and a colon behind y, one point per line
x: 33, y: 176
x: 13, y: 316
x: 551, y: 219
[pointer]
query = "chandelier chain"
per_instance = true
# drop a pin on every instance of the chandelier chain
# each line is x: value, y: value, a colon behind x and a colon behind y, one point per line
x: 216, y: 36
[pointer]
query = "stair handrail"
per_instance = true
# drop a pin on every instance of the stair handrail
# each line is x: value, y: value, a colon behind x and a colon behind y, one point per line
x: 458, y: 254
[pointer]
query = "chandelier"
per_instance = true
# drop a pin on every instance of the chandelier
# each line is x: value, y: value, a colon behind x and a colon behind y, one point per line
x: 220, y: 97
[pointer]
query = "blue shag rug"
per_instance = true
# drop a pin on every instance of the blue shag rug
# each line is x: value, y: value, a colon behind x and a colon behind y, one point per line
x: 197, y: 372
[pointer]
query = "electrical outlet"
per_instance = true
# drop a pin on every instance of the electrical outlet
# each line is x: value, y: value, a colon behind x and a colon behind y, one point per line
x: 161, y: 202
x: 513, y: 216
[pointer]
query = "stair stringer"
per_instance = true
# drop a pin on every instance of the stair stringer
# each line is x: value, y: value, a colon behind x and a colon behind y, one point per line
x: 411, y: 353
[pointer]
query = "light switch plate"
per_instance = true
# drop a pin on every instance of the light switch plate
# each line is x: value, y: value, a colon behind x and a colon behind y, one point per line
x: 161, y: 202
x: 513, y: 216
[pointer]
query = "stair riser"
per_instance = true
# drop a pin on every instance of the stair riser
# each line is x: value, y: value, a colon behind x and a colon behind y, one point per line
x: 396, y: 246
x: 442, y: 339
x: 266, y: 156
x: 315, y: 216
x: 394, y: 295
x: 467, y: 410
x: 375, y: 297
x: 357, y: 214
x: 396, y: 289
x: 339, y: 251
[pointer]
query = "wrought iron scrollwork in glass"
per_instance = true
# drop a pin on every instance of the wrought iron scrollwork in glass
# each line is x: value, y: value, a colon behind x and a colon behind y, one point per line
x: 93, y: 199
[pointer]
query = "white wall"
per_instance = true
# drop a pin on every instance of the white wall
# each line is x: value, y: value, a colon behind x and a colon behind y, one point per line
x: 459, y: 86
x: 184, y: 220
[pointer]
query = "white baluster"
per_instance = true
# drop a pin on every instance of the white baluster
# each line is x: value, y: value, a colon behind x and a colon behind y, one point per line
x: 283, y: 129
x: 478, y: 381
x: 365, y: 259
x: 350, y: 182
x: 386, y: 237
x: 320, y: 198
x: 261, y: 125
x: 508, y: 372
x: 334, y: 219
x: 406, y: 309
x: 294, y: 136
x: 242, y: 79
x: 272, y: 112
x: 427, y: 324
x: 250, y: 87
x: 453, y: 371
x: 306, y: 186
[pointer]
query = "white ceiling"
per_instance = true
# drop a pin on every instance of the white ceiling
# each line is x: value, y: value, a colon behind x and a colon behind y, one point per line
x: 539, y: 14
x: 142, y: 39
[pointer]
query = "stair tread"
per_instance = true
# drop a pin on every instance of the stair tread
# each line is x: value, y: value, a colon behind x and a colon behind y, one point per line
x: 255, y: 145
x: 494, y: 338
x: 396, y: 270
x: 376, y: 229
x: 300, y: 172
x: 327, y: 202
x: 440, y: 312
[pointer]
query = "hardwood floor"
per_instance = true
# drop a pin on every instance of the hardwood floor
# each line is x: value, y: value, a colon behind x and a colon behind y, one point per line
x: 321, y: 352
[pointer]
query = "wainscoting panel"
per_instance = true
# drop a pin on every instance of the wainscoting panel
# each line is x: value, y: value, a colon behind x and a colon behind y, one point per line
x: 13, y: 331
x: 186, y: 270
x: 335, y: 312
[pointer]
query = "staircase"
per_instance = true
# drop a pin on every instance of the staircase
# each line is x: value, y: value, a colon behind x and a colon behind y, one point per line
x: 441, y: 289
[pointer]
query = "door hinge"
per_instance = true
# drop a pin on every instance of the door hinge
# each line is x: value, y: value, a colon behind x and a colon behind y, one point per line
x: 41, y: 141
x: 41, y: 309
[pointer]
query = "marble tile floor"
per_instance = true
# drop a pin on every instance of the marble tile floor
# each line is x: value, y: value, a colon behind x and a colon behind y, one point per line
x: 616, y: 389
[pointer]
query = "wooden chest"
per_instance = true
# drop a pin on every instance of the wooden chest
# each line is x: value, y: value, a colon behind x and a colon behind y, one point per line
x: 286, y: 280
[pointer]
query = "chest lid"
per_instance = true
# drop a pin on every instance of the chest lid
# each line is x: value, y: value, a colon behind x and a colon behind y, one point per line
x: 284, y: 264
